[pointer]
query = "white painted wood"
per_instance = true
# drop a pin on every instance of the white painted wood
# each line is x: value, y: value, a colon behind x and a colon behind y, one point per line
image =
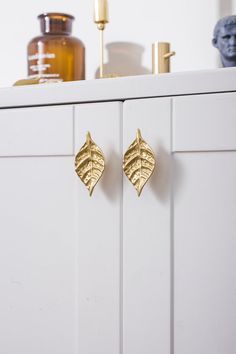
x: 99, y: 223
x: 36, y: 131
x: 182, y: 83
x: 146, y: 235
x: 206, y: 122
x: 205, y: 253
x: 85, y: 275
x: 60, y: 249
x: 38, y: 256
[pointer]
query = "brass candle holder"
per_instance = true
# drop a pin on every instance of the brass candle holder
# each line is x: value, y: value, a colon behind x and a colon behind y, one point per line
x: 101, y: 19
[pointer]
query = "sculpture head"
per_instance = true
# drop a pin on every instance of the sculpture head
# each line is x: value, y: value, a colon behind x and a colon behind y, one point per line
x: 224, y: 39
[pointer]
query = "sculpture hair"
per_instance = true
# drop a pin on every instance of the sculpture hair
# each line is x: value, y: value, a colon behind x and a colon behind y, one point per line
x: 225, y: 21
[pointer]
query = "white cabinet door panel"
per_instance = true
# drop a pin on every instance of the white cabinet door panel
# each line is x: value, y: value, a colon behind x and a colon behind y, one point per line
x: 38, y: 252
x: 38, y: 131
x: 204, y: 122
x: 205, y: 252
x: 60, y: 248
x: 147, y: 234
x: 99, y: 223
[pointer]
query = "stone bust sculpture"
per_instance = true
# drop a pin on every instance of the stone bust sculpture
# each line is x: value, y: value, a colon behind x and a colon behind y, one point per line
x: 225, y: 40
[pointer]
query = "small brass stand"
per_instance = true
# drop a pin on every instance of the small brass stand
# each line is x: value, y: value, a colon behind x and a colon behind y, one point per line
x: 101, y: 19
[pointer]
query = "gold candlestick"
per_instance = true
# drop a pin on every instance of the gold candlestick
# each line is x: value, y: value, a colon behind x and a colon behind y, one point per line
x: 101, y: 19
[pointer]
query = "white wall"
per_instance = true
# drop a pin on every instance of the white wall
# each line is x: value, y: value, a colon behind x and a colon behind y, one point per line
x: 187, y: 24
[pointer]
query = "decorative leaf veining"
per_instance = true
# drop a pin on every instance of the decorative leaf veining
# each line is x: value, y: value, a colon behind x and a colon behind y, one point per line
x: 139, y: 163
x: 90, y: 164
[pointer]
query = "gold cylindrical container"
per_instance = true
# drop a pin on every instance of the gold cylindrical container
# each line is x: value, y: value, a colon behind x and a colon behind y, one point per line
x: 101, y: 11
x: 56, y: 55
x: 161, y: 55
x: 163, y: 62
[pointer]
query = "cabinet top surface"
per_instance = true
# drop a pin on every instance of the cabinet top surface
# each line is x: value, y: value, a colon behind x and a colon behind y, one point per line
x: 174, y: 84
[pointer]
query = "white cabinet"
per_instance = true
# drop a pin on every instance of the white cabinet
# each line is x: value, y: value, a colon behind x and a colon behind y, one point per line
x: 38, y: 131
x: 205, y: 253
x: 116, y: 273
x: 99, y: 233
x: 204, y: 224
x: 146, y: 234
x: 38, y: 242
x: 59, y: 248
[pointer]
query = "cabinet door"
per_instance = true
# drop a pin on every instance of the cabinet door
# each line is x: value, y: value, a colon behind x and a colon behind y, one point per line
x: 99, y: 236
x: 147, y: 234
x: 204, y: 224
x: 59, y: 256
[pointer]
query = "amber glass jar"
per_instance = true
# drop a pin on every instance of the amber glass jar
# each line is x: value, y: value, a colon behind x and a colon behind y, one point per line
x: 56, y: 55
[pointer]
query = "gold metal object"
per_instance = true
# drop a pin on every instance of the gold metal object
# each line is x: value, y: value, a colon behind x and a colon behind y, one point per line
x: 101, y: 44
x: 90, y: 164
x: 24, y: 82
x: 139, y: 163
x: 101, y: 12
x: 101, y: 19
x: 36, y: 81
x: 161, y: 55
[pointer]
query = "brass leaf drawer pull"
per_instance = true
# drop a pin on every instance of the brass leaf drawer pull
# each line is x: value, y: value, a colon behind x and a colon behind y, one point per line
x: 139, y: 163
x: 90, y: 164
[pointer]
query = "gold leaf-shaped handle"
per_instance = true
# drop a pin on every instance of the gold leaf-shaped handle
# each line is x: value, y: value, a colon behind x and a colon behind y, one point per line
x: 139, y: 163
x: 90, y: 164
